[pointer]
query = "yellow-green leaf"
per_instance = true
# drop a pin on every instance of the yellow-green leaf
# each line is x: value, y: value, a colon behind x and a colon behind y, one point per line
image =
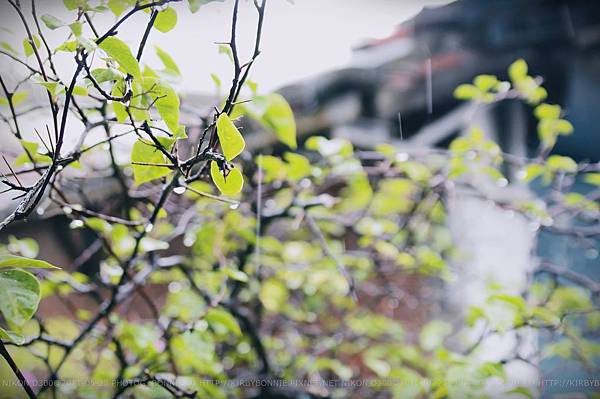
x: 168, y: 62
x: 165, y: 100
x: 166, y: 20
x: 230, y: 138
x: 80, y: 91
x: 27, y: 45
x: 19, y: 296
x: 274, y: 113
x: 273, y: 294
x: 218, y: 317
x: 76, y: 28
x: 22, y: 262
x: 118, y: 6
x: 18, y: 97
x: 120, y: 52
x: 230, y: 184
x: 52, y: 22
x: 12, y: 336
x: 149, y: 154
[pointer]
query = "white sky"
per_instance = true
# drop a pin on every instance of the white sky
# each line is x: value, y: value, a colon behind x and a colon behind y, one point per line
x: 300, y: 38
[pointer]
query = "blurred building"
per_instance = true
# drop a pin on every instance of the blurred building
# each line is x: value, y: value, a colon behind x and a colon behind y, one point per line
x: 400, y: 87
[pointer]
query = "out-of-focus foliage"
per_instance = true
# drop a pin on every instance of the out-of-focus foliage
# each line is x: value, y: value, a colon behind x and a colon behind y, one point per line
x: 302, y: 275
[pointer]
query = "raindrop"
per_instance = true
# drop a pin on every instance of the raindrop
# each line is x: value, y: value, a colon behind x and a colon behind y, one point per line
x: 179, y: 190
x: 40, y: 210
x: 175, y: 286
x: 400, y: 126
x: 243, y: 348
x: 429, y: 86
x: 305, y: 183
x: 76, y: 224
x: 547, y: 221
x: 402, y: 157
x: 502, y: 182
x: 311, y: 317
x: 189, y: 240
x: 201, y: 325
x: 149, y: 227
x: 235, y: 205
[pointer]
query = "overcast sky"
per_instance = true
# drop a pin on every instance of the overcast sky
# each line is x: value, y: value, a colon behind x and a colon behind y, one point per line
x: 301, y: 38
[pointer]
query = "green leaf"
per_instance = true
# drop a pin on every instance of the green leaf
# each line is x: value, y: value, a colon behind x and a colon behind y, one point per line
x: 6, y: 46
x: 518, y: 70
x: 486, y: 82
x: 275, y: 113
x: 118, y: 6
x: 168, y: 62
x: 531, y: 171
x: 52, y: 22
x: 466, y: 92
x: 237, y: 275
x: 223, y: 318
x: 216, y: 80
x: 165, y: 100
x: 517, y: 301
x: 22, y: 262
x: 230, y: 138
x: 87, y: 44
x: 592, y: 178
x: 54, y: 88
x: 74, y: 4
x: 298, y: 166
x: 144, y: 152
x: 102, y: 75
x: 19, y: 296
x: 18, y: 97
x: 119, y: 90
x: 120, y: 52
x: 68, y: 47
x: 273, y: 294
x: 80, y: 91
x: 27, y: 46
x: 76, y: 28
x: 557, y: 162
x: 11, y: 336
x: 563, y: 126
x: 166, y: 20
x: 547, y: 111
x: 433, y: 334
x: 149, y: 244
x: 378, y: 366
x: 230, y: 184
x: 194, y: 5
x: 30, y: 152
